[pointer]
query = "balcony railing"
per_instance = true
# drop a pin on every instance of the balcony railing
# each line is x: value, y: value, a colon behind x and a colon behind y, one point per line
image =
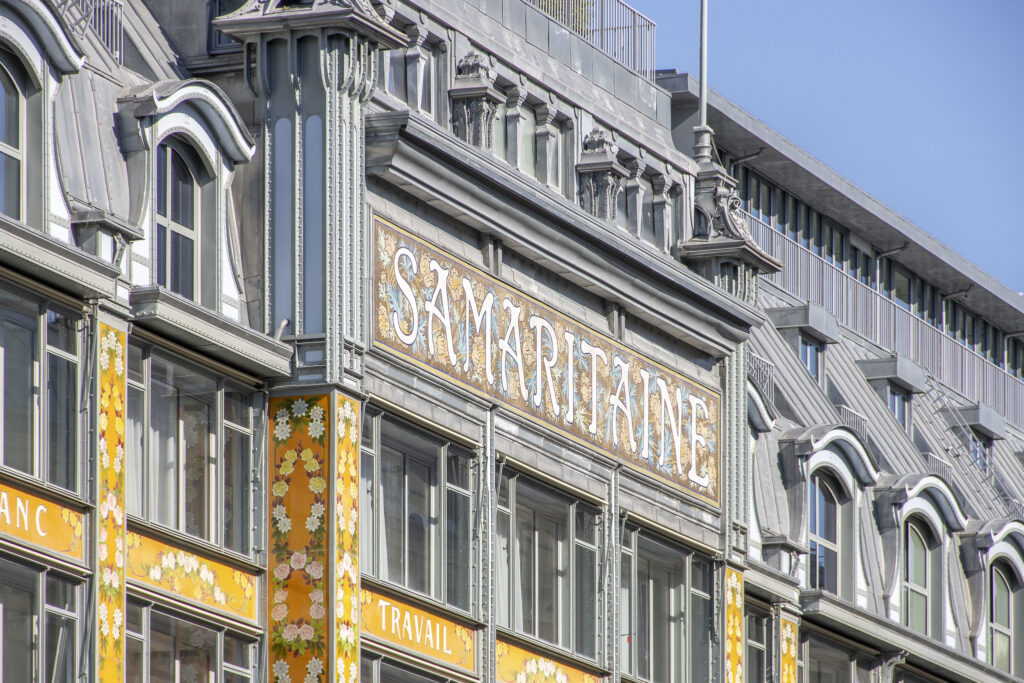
x: 612, y: 26
x: 103, y: 16
x: 762, y: 374
x: 869, y: 314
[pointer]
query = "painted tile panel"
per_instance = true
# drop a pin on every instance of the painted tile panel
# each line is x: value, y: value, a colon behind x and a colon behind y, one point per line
x: 346, y: 543
x: 194, y: 577
x: 734, y: 623
x: 516, y: 665
x: 458, y: 321
x: 788, y: 639
x: 110, y: 548
x: 28, y: 517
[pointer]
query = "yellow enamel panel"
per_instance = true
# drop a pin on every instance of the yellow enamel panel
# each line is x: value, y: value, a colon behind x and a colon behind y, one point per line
x: 516, y: 665
x: 418, y: 630
x: 299, y: 507
x: 41, y: 522
x: 110, y: 543
x: 733, y: 626
x: 346, y: 541
x: 185, y: 574
x: 788, y: 639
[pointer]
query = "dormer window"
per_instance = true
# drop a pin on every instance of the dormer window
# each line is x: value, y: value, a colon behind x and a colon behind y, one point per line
x: 921, y: 590
x: 810, y: 355
x: 899, y: 403
x: 176, y: 222
x: 824, y: 535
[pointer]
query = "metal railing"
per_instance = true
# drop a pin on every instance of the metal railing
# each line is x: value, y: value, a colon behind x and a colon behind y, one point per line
x: 854, y: 420
x: 612, y: 26
x: 762, y: 373
x: 880, y: 320
x: 105, y: 17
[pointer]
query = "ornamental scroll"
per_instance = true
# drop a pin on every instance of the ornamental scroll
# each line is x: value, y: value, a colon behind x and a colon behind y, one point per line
x: 458, y: 321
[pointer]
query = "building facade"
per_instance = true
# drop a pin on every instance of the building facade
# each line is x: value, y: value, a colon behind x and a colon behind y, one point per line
x: 434, y: 340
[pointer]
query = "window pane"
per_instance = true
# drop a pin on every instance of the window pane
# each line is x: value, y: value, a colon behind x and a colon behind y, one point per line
x: 503, y: 569
x: 161, y: 255
x: 178, y: 646
x: 163, y: 447
x: 182, y: 265
x: 230, y: 677
x: 161, y: 180
x: 1000, y: 599
x: 10, y: 182
x: 135, y: 445
x: 458, y: 467
x: 625, y: 614
x: 62, y: 405
x: 1001, y: 650
x: 18, y: 324
x: 182, y: 191
x: 525, y: 570
x: 392, y: 491
x: 60, y: 648
x: 281, y: 218
x: 197, y: 426
x: 421, y: 523
x: 134, y: 656
x: 10, y: 112
x: 236, y: 652
x: 917, y: 554
x: 60, y: 593
x: 458, y: 550
x: 60, y: 332
x: 586, y: 602
x: 700, y: 641
x: 236, y: 408
x: 17, y: 608
x: 237, y: 485
x: 917, y: 611
x: 133, y: 616
x: 366, y: 514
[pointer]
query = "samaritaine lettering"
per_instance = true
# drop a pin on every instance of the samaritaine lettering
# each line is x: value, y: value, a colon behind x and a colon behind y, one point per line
x: 462, y: 322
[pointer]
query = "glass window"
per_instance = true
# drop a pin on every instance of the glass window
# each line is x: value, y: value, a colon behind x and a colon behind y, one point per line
x: 163, y: 648
x: 189, y: 440
x: 1001, y: 616
x: 547, y: 564
x: 219, y: 8
x: 177, y: 204
x: 899, y: 402
x: 665, y: 611
x: 917, y: 578
x: 417, y: 516
x: 810, y: 355
x: 39, y: 376
x: 823, y: 537
x: 38, y: 625
x: 11, y: 148
x: 759, y: 641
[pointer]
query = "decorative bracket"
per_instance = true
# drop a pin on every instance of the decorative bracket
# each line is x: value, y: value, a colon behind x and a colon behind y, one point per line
x: 474, y: 101
x: 600, y: 174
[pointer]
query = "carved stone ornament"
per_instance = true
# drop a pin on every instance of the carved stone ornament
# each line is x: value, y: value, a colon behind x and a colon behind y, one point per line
x: 474, y: 101
x: 600, y: 175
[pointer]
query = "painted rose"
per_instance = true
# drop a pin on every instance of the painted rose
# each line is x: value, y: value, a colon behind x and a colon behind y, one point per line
x: 282, y: 571
x: 298, y: 560
x: 316, y: 611
x: 280, y: 595
x: 306, y: 632
x: 290, y: 632
x: 315, y: 570
x: 316, y: 485
x: 279, y: 612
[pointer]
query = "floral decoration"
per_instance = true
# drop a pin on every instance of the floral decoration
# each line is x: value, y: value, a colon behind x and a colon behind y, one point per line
x: 346, y: 542
x: 516, y: 665
x: 734, y: 625
x: 110, y: 565
x: 191, y: 576
x: 299, y: 541
x: 788, y: 648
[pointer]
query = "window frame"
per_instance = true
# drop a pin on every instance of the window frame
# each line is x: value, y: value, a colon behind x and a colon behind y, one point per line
x: 807, y: 345
x: 222, y: 668
x: 169, y: 148
x: 566, y: 610
x: 680, y: 662
x: 19, y: 153
x: 932, y: 590
x: 818, y: 480
x: 764, y: 647
x: 442, y: 491
x: 898, y: 400
x: 218, y: 486
x: 42, y: 352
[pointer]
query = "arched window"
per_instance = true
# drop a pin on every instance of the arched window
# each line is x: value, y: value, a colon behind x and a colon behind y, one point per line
x: 177, y: 222
x: 920, y: 587
x: 824, y: 534
x: 11, y: 147
x: 1005, y: 618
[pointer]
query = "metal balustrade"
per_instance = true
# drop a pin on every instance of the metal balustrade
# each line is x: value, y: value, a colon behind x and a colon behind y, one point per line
x: 762, y: 373
x: 612, y: 26
x: 866, y: 312
x: 105, y: 17
x: 854, y: 420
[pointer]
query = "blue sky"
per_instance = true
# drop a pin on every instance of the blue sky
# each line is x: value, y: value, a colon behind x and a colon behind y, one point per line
x: 918, y: 102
